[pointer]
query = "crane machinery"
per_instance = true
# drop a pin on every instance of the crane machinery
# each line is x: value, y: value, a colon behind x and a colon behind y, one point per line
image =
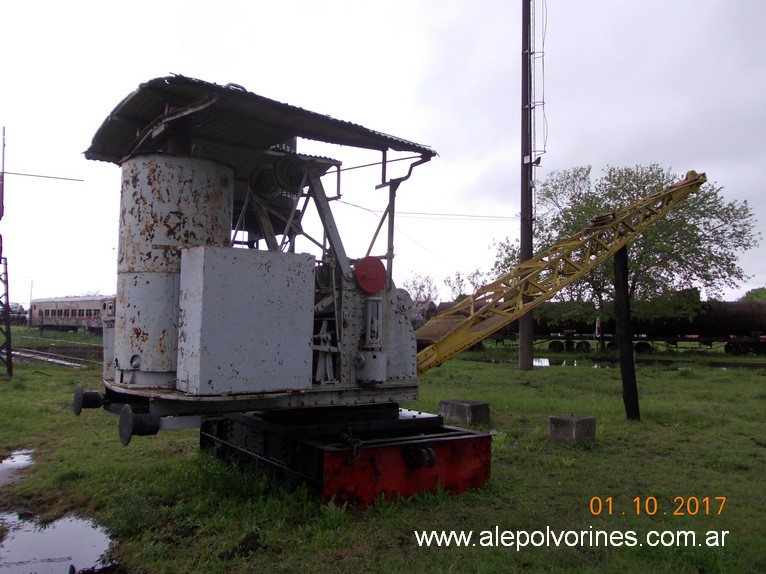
x: 234, y: 315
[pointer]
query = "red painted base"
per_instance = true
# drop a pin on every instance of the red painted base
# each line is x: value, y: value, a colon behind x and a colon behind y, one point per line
x: 357, y: 455
x: 459, y: 462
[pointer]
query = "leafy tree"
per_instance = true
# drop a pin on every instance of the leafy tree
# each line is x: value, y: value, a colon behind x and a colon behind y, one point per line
x: 460, y: 284
x: 757, y: 294
x: 507, y: 256
x: 456, y: 286
x: 694, y: 247
x: 421, y: 288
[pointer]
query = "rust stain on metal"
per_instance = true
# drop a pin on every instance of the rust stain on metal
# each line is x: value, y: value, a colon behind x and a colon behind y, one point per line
x: 140, y: 335
x: 168, y: 203
x: 162, y: 347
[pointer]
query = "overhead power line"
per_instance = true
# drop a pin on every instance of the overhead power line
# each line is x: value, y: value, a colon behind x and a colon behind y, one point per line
x: 43, y: 176
x: 427, y: 215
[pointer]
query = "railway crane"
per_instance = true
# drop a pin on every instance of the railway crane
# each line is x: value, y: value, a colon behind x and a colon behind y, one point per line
x: 234, y: 316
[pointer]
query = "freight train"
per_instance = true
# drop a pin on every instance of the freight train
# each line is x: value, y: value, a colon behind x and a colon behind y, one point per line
x: 739, y: 326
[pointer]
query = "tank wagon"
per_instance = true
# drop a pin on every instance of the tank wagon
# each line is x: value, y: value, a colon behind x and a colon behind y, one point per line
x: 16, y: 316
x: 71, y: 313
x: 233, y: 314
x: 739, y: 326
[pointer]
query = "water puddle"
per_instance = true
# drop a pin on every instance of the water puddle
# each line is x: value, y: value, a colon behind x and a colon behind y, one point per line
x: 66, y: 545
x: 19, y: 459
x: 545, y: 362
x: 9, y: 467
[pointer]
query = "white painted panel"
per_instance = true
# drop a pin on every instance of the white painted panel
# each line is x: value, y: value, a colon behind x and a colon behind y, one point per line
x: 245, y: 322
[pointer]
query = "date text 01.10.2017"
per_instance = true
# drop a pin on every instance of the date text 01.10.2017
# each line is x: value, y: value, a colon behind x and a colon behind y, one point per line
x: 648, y: 505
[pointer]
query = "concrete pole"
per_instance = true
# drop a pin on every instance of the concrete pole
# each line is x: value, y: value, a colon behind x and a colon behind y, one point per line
x: 526, y: 323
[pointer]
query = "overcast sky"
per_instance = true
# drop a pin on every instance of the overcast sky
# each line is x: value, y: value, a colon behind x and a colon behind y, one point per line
x: 680, y: 83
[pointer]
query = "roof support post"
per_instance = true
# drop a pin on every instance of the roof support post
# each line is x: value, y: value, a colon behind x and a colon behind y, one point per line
x: 330, y: 227
x: 390, y: 249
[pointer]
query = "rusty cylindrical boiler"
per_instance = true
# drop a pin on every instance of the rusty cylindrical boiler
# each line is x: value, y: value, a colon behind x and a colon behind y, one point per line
x: 167, y: 203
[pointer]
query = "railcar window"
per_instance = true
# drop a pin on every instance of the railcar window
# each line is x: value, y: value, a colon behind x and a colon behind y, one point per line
x: 40, y: 313
x: 88, y: 312
x: 59, y: 312
x: 96, y: 312
x: 66, y: 312
x: 81, y: 312
x: 47, y: 312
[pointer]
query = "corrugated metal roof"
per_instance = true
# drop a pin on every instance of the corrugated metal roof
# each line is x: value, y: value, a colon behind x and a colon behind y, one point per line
x: 221, y: 122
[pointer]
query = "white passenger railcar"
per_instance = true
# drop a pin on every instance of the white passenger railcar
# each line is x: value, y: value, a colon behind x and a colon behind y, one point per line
x: 71, y: 313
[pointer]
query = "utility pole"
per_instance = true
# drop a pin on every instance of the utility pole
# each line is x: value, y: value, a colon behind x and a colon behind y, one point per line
x: 526, y: 322
x: 6, y: 353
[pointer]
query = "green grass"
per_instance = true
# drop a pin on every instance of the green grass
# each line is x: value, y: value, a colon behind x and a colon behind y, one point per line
x: 31, y: 337
x: 174, y: 509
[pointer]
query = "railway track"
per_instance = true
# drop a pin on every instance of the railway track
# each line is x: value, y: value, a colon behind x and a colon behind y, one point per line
x: 55, y: 358
x: 69, y: 361
x: 682, y: 363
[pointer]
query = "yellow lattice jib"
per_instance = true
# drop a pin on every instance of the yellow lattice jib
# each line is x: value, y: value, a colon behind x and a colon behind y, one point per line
x: 538, y: 279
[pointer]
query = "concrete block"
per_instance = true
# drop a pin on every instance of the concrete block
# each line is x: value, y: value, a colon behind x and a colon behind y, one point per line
x: 466, y: 412
x: 572, y: 428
